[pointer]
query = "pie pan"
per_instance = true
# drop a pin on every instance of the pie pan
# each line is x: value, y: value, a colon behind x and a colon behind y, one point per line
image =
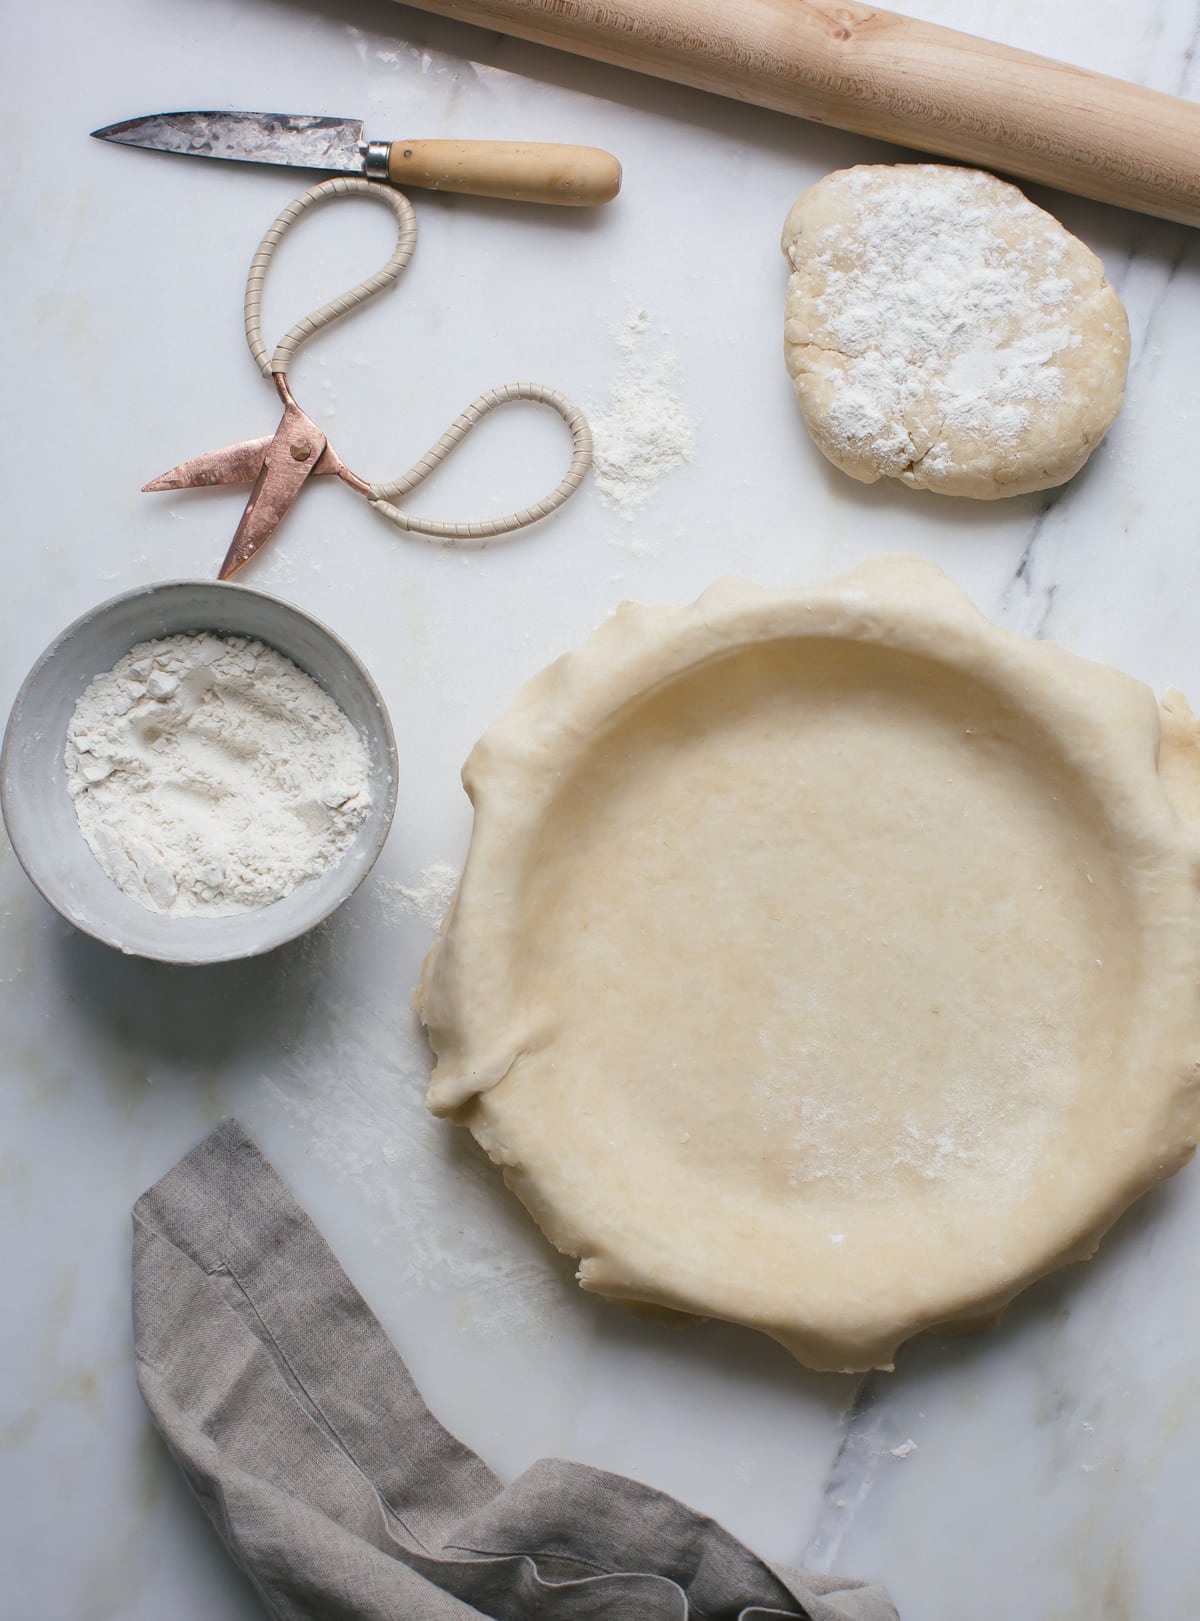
x: 825, y: 960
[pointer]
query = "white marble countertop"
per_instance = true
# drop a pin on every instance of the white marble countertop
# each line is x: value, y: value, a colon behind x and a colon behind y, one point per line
x: 1052, y: 1469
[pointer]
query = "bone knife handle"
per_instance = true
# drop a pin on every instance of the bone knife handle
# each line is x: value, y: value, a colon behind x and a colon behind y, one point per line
x: 529, y: 173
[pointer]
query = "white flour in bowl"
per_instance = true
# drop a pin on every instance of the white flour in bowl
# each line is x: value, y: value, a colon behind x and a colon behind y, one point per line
x: 210, y: 775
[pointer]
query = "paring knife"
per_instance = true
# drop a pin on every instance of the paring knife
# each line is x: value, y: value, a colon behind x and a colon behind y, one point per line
x: 521, y: 172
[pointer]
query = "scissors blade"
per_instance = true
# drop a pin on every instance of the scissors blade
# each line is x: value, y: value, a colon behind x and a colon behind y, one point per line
x: 232, y: 464
x: 291, y: 456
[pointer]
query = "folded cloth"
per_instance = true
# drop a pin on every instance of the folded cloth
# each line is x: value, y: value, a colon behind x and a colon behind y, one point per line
x: 334, y: 1487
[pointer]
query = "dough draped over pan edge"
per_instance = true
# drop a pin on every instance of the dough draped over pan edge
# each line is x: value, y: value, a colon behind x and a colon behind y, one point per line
x: 825, y: 960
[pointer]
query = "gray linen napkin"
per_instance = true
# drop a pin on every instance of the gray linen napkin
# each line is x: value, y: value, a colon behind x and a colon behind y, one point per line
x: 334, y: 1487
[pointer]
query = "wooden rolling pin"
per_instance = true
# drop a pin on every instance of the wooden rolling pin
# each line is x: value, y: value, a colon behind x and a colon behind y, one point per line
x: 887, y: 76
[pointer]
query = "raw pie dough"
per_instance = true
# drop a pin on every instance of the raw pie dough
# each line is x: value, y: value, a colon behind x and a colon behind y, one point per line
x: 825, y: 960
x: 944, y: 331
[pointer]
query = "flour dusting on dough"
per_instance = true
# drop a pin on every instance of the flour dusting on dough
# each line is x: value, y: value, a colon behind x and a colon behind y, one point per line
x: 857, y: 1133
x: 943, y: 330
x: 939, y: 302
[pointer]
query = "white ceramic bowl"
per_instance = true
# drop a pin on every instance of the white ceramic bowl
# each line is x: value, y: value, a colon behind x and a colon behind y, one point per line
x: 41, y: 819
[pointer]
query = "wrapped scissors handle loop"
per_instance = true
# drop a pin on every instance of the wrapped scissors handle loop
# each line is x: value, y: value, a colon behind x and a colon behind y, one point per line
x: 381, y: 495
x: 277, y: 364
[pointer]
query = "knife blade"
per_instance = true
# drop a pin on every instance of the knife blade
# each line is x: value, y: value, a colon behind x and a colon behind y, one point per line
x: 536, y: 172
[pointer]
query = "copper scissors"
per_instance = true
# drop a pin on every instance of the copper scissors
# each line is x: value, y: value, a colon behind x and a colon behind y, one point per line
x: 280, y: 464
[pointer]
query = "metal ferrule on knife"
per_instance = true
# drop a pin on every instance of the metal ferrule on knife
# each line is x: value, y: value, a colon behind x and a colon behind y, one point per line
x: 375, y: 159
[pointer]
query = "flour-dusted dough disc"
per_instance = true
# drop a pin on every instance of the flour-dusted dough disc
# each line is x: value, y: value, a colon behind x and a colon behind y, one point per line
x: 825, y: 960
x: 944, y: 331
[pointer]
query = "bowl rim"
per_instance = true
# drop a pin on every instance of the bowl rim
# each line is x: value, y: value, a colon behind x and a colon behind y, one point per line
x: 154, y: 588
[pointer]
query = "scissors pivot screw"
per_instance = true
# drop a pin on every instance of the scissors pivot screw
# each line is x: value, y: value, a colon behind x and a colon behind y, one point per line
x: 301, y: 453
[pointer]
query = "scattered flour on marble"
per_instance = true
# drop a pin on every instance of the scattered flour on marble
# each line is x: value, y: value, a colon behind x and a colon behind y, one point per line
x: 428, y: 898
x: 387, y: 52
x: 642, y: 431
x: 352, y: 1080
x: 904, y: 1450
